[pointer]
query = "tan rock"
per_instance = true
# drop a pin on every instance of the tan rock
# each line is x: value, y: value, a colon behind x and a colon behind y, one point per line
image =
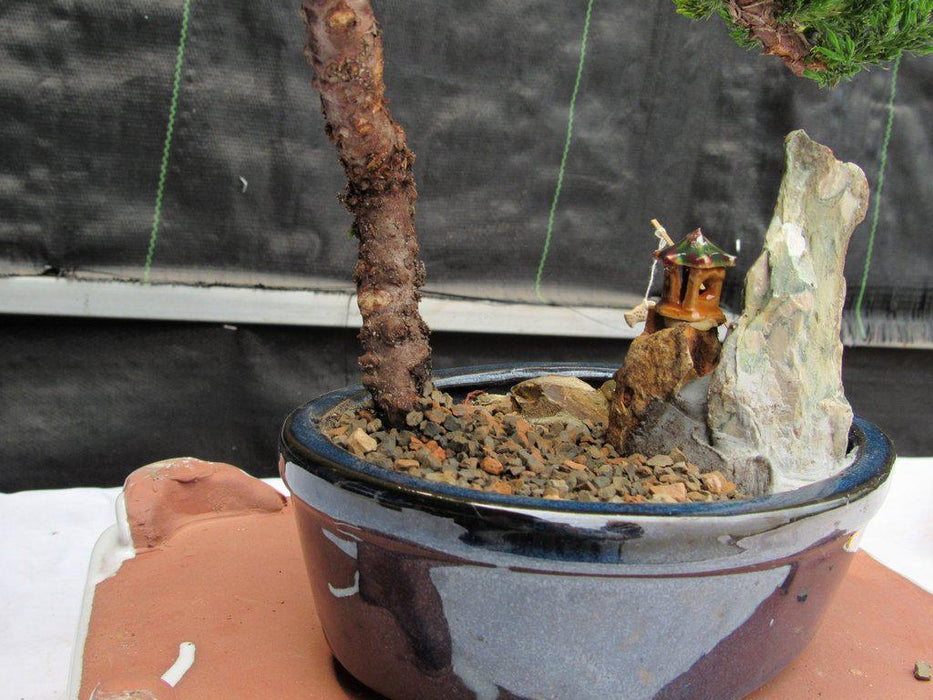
x: 435, y: 450
x: 336, y: 432
x: 522, y: 429
x: 657, y: 366
x: 359, y: 443
x: 574, y: 466
x: 777, y: 395
x: 491, y: 465
x: 495, y: 402
x: 661, y: 498
x: 678, y: 455
x: 501, y: 487
x: 676, y: 491
x: 461, y: 410
x: 715, y: 482
x: 608, y: 388
x: 660, y: 461
x: 553, y: 396
x: 436, y: 414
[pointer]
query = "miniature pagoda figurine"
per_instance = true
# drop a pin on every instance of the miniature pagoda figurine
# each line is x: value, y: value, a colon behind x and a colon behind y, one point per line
x: 680, y: 342
x: 694, y: 270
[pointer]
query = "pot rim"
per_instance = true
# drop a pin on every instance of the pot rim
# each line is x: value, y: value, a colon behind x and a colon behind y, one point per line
x: 302, y: 444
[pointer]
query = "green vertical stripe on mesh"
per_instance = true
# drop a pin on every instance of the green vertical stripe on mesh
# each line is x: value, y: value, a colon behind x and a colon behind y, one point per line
x: 879, y: 188
x: 167, y: 147
x: 563, y: 159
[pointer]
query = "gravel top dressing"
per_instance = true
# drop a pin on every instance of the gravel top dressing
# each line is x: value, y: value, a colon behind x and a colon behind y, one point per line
x: 486, y: 443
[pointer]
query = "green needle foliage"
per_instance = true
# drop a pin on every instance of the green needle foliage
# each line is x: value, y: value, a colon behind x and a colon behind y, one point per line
x: 843, y: 35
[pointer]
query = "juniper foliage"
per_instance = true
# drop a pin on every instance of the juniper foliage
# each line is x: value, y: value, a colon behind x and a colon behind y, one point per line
x: 844, y: 36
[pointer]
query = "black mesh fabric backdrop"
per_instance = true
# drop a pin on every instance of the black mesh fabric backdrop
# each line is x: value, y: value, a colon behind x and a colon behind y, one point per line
x: 673, y: 121
x: 85, y: 401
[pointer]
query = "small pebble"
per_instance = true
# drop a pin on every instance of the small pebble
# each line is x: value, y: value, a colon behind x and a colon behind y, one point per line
x: 678, y: 492
x: 660, y: 461
x: 501, y: 487
x: 436, y: 415
x: 715, y: 482
x: 491, y: 465
x: 360, y: 443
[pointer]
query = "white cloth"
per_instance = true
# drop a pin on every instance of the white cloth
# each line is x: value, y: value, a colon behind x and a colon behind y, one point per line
x: 46, y: 538
x: 900, y: 536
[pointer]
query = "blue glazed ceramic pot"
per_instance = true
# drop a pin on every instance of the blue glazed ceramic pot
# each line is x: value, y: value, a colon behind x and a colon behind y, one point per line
x: 426, y: 590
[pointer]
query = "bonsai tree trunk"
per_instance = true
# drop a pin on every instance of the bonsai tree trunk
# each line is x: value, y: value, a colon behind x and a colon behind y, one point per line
x: 345, y: 50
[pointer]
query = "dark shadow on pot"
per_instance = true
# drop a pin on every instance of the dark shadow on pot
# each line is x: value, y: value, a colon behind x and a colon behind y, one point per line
x: 531, y: 537
x: 401, y: 585
x: 353, y: 687
x: 786, y: 620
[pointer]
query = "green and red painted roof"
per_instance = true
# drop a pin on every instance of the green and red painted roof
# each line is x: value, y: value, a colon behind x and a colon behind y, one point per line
x: 695, y: 251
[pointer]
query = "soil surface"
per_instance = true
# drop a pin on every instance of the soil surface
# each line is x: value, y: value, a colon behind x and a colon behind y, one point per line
x: 484, y: 442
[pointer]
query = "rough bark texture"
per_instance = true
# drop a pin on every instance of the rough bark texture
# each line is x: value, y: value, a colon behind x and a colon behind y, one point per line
x: 781, y: 40
x: 345, y: 50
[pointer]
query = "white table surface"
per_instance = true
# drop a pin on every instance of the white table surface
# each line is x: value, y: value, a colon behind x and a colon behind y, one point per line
x: 46, y: 538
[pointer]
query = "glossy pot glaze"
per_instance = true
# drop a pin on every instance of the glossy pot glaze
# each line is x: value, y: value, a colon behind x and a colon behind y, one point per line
x: 428, y: 590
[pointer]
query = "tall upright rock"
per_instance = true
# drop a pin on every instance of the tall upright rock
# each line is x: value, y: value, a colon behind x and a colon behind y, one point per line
x: 777, y: 393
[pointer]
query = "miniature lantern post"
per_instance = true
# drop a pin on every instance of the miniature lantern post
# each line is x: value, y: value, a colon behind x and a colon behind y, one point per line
x: 694, y: 271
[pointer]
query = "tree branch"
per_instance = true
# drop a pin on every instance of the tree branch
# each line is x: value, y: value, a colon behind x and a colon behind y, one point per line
x: 781, y: 40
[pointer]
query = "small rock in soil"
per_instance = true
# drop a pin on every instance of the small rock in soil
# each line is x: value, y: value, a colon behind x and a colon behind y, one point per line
x: 360, y: 443
x: 678, y: 492
x: 558, y: 396
x: 501, y: 487
x: 495, y: 402
x: 715, y: 482
x: 923, y: 671
x: 491, y: 465
x: 436, y: 415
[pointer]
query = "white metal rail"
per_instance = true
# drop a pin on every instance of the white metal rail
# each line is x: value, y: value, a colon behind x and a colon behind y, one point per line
x: 51, y: 296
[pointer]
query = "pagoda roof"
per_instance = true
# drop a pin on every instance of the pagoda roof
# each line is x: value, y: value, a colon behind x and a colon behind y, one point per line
x: 695, y: 251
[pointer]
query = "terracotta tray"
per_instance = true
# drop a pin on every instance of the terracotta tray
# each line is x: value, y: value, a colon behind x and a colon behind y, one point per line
x: 218, y: 564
